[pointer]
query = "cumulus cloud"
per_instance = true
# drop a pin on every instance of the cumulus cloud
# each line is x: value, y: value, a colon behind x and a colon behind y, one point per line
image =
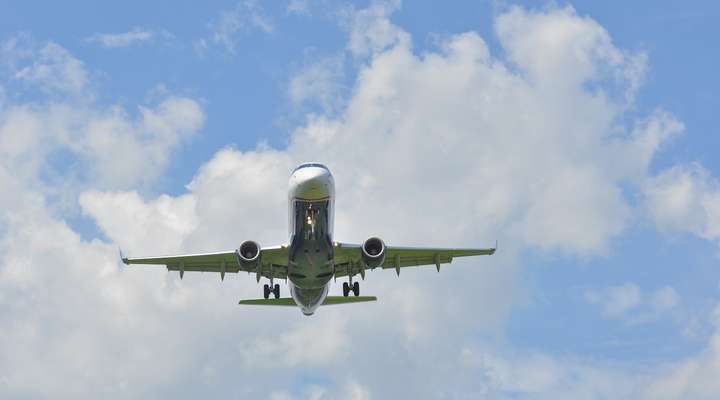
x: 319, y: 82
x: 497, y: 126
x: 155, y: 227
x: 533, y: 157
x: 686, y: 199
x: 121, y: 149
x: 539, y: 376
x: 370, y: 28
x: 537, y: 164
x: 564, y: 50
x: 113, y: 147
x: 65, y: 306
x: 136, y: 35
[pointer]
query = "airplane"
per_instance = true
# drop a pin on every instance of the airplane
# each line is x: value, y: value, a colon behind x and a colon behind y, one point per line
x: 311, y: 259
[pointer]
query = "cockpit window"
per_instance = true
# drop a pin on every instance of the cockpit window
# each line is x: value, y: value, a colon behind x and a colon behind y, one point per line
x: 318, y: 165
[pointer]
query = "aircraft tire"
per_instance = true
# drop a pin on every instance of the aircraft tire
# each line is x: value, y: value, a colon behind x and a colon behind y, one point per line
x: 346, y: 289
x: 276, y: 291
x: 266, y: 291
x: 356, y: 289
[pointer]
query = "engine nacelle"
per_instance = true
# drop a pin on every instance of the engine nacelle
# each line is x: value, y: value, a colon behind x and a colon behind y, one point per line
x: 248, y: 254
x: 373, y: 252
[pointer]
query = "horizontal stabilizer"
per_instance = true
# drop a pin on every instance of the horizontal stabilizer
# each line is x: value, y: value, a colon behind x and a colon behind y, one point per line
x: 285, y: 301
x: 288, y: 301
x: 331, y: 300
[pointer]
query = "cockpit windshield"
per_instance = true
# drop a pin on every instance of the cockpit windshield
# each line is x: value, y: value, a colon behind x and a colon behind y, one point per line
x: 317, y: 165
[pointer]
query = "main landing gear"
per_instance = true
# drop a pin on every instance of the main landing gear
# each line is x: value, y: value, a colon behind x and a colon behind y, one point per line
x: 275, y: 290
x: 355, y: 287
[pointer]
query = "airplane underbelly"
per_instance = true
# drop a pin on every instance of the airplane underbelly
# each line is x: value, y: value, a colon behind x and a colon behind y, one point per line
x: 311, y: 269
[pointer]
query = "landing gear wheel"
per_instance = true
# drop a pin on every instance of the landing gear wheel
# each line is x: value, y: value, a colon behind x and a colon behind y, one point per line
x: 276, y: 291
x: 356, y: 289
x: 346, y: 289
x: 266, y: 291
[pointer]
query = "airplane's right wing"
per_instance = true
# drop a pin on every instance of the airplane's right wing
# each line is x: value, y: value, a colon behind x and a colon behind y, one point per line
x: 348, y: 257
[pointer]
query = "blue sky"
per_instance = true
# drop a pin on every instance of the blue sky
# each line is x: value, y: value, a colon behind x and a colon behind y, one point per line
x: 579, y: 134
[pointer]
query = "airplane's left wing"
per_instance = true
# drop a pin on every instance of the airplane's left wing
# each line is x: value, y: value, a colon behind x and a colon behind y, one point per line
x: 273, y: 262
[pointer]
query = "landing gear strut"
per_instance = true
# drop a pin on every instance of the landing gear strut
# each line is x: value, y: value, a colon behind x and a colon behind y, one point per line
x: 275, y: 290
x: 355, y: 288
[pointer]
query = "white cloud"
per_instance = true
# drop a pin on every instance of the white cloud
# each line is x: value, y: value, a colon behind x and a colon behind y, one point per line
x: 371, y: 30
x: 123, y: 151
x: 560, y: 50
x: 55, y: 69
x: 320, y: 82
x: 156, y: 227
x: 616, y: 300
x: 450, y: 147
x: 685, y: 198
x: 694, y: 377
x: 319, y: 344
x: 528, y: 163
x: 414, y: 119
x: 479, y: 117
x: 119, y: 149
x: 246, y: 16
x: 124, y: 39
x: 628, y: 301
x: 513, y: 375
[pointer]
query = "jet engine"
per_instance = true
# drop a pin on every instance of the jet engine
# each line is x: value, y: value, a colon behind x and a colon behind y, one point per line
x: 248, y: 254
x: 373, y: 252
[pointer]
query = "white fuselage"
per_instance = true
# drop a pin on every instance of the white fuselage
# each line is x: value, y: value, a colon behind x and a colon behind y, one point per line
x: 311, y: 209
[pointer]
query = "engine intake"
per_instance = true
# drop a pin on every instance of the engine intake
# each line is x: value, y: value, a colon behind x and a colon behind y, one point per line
x: 373, y: 252
x: 248, y: 254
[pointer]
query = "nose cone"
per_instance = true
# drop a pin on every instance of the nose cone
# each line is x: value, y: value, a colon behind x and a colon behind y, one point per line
x: 311, y: 183
x: 308, y: 299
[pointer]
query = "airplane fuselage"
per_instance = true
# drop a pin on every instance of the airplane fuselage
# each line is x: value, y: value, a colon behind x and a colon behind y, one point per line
x: 311, y: 208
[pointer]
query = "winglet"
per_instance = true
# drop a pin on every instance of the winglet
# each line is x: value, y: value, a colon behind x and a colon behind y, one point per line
x: 122, y: 257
